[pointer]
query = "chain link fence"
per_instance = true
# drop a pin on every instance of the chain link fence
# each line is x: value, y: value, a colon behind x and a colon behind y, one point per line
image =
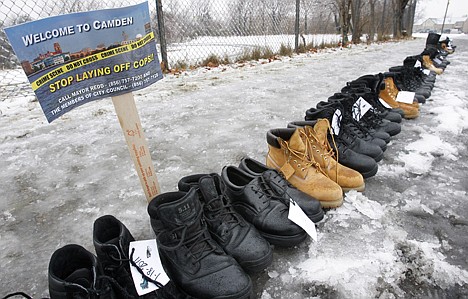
x: 194, y: 32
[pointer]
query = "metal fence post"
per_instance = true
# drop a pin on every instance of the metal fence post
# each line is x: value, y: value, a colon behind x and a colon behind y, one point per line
x: 162, y: 35
x: 296, y: 29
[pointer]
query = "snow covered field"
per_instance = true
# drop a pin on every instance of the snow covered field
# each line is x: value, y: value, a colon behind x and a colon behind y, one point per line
x: 404, y: 237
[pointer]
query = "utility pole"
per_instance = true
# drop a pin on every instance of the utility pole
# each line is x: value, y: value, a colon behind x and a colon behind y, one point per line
x: 443, y: 24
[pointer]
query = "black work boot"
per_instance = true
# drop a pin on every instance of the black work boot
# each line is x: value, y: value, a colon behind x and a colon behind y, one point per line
x: 74, y: 272
x: 364, y: 164
x: 371, y: 117
x: 237, y: 237
x: 111, y: 240
x: 282, y: 187
x: 253, y: 198
x: 191, y: 258
x: 363, y: 131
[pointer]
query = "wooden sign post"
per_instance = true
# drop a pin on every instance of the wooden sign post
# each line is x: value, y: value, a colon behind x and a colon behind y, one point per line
x: 129, y: 120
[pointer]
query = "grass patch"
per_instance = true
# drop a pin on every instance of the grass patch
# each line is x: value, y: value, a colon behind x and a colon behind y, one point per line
x: 285, y: 50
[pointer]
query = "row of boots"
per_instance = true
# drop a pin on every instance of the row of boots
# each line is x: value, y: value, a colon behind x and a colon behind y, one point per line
x: 219, y: 228
x: 341, y: 140
x: 211, y: 234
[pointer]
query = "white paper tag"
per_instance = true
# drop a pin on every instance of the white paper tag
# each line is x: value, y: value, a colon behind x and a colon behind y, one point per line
x: 437, y: 60
x: 405, y: 97
x: 360, y: 108
x: 427, y: 72
x: 297, y: 215
x: 146, y: 256
x: 336, y: 122
x: 385, y: 104
x: 417, y: 64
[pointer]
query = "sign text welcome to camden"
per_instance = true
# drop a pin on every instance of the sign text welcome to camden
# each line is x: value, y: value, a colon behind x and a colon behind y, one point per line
x: 77, y: 58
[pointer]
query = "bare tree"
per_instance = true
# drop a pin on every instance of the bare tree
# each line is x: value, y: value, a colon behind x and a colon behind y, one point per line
x: 356, y: 8
x: 398, y: 9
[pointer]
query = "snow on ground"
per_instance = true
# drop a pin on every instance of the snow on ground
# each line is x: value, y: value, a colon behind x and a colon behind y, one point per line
x: 403, y: 237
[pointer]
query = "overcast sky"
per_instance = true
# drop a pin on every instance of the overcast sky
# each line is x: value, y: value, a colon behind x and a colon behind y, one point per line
x: 436, y: 8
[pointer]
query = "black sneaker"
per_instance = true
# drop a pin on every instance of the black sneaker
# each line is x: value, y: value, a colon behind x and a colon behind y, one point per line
x: 237, y: 237
x: 253, y: 198
x: 283, y: 188
x: 192, y: 259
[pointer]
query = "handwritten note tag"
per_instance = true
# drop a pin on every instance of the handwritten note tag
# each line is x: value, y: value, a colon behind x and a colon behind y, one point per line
x: 360, y: 108
x: 336, y: 122
x: 405, y: 97
x: 146, y: 257
x: 298, y: 216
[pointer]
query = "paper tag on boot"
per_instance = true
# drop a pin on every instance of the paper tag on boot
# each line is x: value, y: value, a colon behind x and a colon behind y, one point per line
x: 287, y: 170
x: 360, y: 108
x: 297, y: 215
x: 146, y: 257
x: 336, y: 122
x: 405, y: 97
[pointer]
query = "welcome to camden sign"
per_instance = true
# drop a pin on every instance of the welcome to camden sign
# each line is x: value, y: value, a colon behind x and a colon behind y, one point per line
x: 77, y: 58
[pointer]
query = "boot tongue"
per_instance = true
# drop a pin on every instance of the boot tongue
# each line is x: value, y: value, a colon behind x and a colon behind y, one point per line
x: 295, y: 142
x: 208, y: 188
x: 182, y: 211
x: 321, y: 130
x: 82, y: 277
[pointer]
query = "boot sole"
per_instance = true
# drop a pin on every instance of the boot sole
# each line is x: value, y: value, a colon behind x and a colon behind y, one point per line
x: 359, y: 189
x: 258, y: 265
x: 316, y: 217
x: 411, y: 116
x: 331, y: 204
x: 370, y: 173
x: 378, y: 158
x: 284, y: 241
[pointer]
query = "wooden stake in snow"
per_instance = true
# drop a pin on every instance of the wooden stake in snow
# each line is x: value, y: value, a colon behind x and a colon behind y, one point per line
x: 129, y: 120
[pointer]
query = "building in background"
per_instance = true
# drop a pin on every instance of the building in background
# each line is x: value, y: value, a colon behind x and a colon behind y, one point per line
x: 452, y: 25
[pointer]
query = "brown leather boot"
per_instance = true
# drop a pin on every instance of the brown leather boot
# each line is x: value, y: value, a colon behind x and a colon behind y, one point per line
x: 289, y: 154
x: 323, y: 154
x: 389, y: 95
x: 427, y: 63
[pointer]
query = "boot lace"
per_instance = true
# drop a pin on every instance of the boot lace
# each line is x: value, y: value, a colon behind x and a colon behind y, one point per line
x: 267, y: 193
x: 224, y: 212
x: 326, y: 152
x: 297, y: 156
x: 198, y: 246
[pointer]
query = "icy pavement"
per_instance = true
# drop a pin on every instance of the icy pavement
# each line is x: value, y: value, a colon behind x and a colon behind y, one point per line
x: 404, y: 237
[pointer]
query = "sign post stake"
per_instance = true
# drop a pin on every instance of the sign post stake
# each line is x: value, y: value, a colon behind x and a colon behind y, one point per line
x: 129, y: 120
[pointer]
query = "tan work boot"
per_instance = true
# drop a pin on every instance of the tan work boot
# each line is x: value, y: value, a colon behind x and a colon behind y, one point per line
x: 323, y: 154
x: 289, y: 154
x: 427, y: 63
x: 389, y: 95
